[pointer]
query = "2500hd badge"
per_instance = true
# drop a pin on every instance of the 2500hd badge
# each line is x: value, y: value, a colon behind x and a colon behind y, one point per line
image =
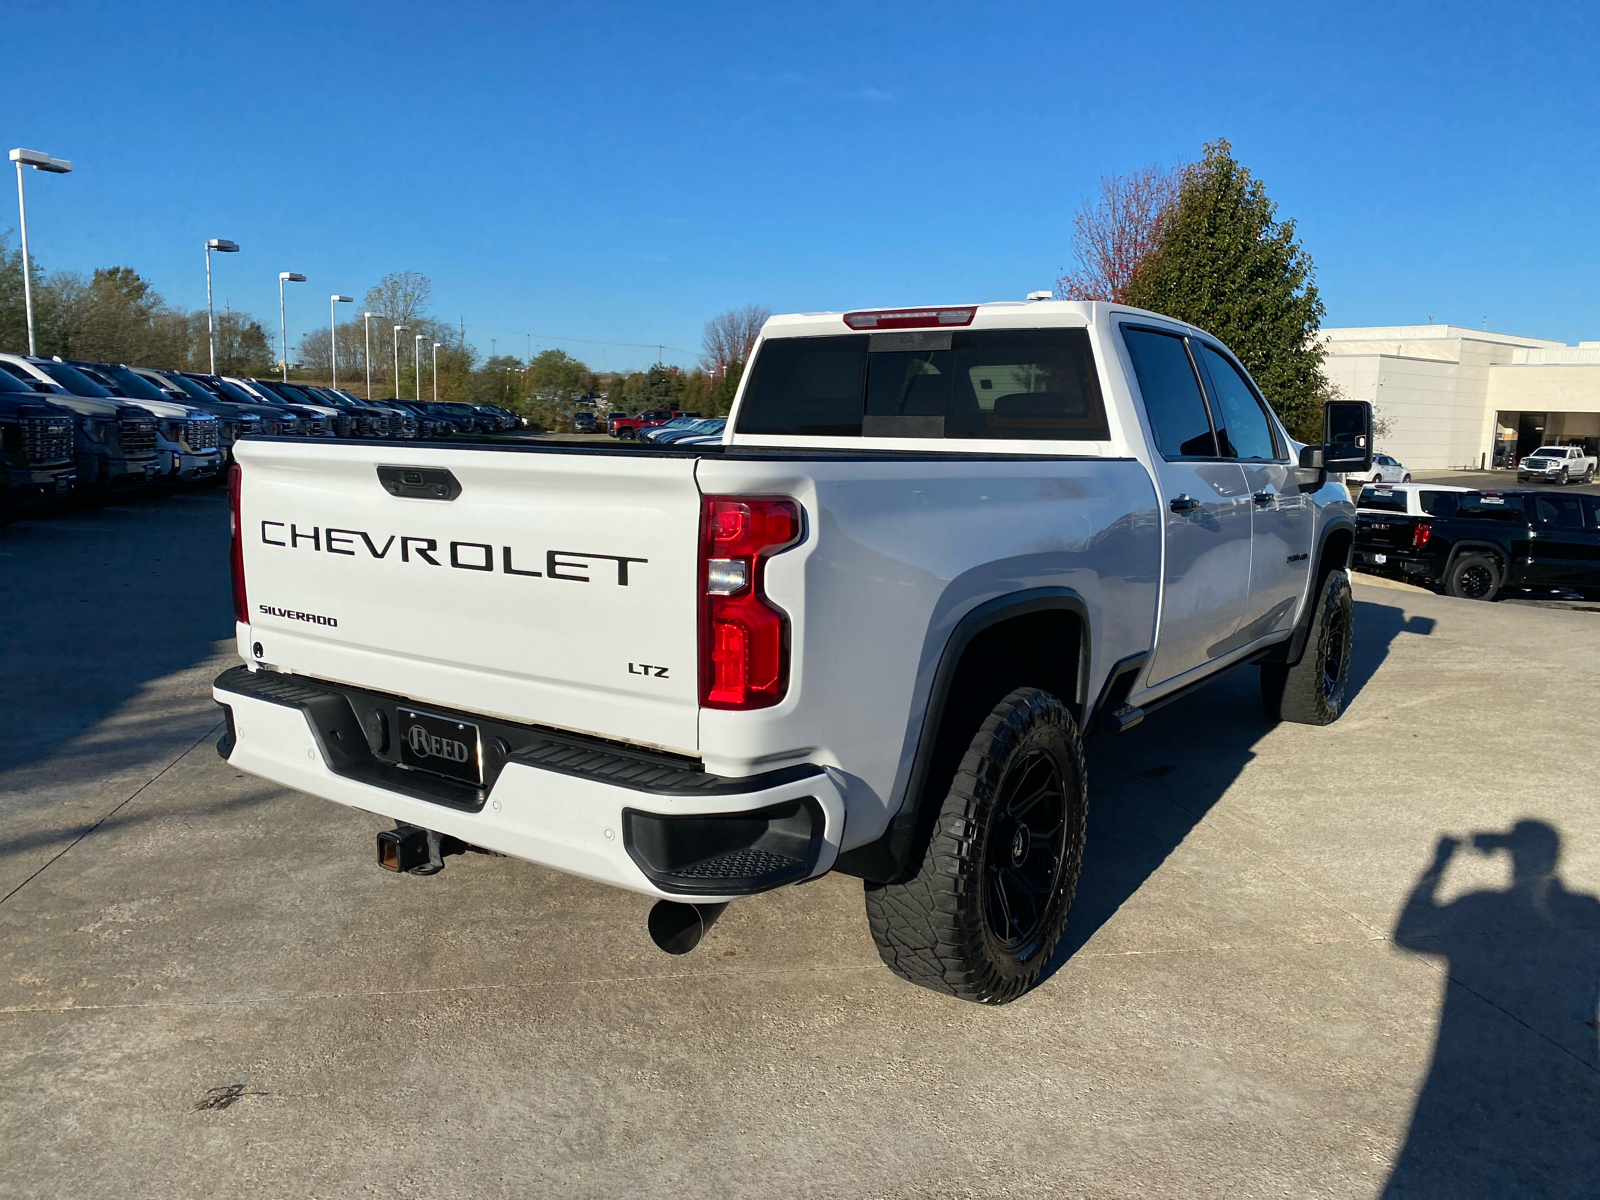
x: 571, y: 565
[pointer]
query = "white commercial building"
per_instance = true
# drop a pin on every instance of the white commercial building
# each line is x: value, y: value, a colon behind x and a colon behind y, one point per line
x: 1454, y: 397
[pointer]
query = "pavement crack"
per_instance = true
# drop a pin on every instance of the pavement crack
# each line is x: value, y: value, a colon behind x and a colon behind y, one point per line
x: 118, y: 807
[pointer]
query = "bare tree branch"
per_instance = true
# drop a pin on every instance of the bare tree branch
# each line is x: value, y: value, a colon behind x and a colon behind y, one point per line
x: 1111, y: 238
x: 730, y: 336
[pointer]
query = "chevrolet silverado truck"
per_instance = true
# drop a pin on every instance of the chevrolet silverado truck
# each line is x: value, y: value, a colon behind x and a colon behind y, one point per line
x: 865, y: 633
x: 1476, y: 545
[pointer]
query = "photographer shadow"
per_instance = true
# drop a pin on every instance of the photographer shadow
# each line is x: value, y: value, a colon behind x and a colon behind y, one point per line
x: 1511, y: 1103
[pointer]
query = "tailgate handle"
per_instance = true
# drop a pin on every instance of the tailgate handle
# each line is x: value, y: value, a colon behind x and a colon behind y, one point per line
x: 419, y: 483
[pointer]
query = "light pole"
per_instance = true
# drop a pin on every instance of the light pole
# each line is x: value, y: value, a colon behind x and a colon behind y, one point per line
x: 39, y: 161
x: 398, y: 330
x: 416, y: 362
x: 283, y: 325
x: 333, y: 333
x: 221, y: 246
x: 366, y: 319
x: 436, y: 346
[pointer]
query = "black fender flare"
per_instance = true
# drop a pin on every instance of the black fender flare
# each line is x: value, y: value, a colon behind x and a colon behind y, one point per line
x: 900, y: 845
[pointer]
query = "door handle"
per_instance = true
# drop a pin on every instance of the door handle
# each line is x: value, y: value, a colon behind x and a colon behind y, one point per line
x: 1184, y: 503
x: 1264, y: 497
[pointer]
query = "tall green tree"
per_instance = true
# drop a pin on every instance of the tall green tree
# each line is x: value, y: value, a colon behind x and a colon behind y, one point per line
x: 13, y: 313
x: 1223, y: 261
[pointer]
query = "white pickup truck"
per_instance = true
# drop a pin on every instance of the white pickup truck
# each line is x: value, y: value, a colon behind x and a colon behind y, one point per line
x: 1557, y: 464
x: 866, y: 633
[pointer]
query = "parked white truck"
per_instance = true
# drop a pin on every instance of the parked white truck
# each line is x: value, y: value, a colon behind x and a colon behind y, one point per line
x: 866, y: 633
x: 1557, y: 464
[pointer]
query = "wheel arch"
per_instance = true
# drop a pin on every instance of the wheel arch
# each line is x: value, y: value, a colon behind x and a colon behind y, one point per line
x: 993, y: 649
x: 1480, y: 546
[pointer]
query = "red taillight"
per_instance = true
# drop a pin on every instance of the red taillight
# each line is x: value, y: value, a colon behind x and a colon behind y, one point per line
x: 911, y: 318
x: 241, y: 604
x: 744, y: 639
x: 1420, y: 535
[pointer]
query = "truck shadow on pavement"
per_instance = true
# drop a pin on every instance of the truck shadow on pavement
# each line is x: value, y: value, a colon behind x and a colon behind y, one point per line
x: 1508, y: 1107
x: 1202, y: 743
x: 100, y: 605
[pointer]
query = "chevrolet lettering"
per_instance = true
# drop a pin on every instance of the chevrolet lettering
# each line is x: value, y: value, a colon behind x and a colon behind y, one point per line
x: 933, y: 550
x: 576, y: 566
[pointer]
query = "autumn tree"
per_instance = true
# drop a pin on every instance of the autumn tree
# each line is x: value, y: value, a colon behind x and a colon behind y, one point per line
x: 1224, y: 262
x: 730, y: 336
x: 1111, y: 237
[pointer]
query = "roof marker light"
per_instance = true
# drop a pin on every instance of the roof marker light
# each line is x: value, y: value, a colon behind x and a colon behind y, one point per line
x: 911, y: 318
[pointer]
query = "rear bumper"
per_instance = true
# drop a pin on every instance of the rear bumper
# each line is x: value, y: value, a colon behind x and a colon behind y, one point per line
x: 1393, y: 564
x: 576, y: 805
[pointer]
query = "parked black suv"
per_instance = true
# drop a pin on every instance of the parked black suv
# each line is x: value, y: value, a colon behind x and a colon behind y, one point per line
x: 1478, y: 544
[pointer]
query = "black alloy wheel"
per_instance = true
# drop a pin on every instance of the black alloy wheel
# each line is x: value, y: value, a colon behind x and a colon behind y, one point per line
x: 1023, y: 852
x: 981, y: 913
x: 1335, y: 661
x: 1475, y: 580
x: 1312, y: 691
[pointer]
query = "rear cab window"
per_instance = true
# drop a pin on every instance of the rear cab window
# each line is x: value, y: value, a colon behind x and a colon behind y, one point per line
x: 974, y: 384
x: 1382, y: 500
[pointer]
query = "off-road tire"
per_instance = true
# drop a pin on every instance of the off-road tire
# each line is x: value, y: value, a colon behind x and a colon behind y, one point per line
x: 1588, y: 475
x: 1565, y: 478
x: 938, y: 926
x: 1473, y: 577
x: 1312, y: 692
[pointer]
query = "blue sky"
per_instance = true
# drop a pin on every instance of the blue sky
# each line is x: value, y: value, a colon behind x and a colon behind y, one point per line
x: 621, y: 172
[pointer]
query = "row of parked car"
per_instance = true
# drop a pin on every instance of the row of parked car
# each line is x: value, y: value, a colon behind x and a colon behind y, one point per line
x: 1478, y: 545
x: 666, y: 426
x: 70, y: 428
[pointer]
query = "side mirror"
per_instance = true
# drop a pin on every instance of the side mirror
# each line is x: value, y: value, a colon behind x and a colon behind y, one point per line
x: 1347, y: 435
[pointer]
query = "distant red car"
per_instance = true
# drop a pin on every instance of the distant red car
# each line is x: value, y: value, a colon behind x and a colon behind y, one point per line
x: 627, y: 428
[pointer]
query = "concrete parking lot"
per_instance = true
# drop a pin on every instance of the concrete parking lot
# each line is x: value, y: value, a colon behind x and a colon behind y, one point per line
x: 1290, y: 969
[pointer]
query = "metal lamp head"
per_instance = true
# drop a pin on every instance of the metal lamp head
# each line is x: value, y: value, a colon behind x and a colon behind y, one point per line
x: 223, y: 246
x: 291, y: 277
x: 40, y: 161
x: 342, y: 299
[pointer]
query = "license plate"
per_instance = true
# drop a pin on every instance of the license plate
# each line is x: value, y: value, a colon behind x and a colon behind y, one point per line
x: 440, y: 745
x: 1380, y: 558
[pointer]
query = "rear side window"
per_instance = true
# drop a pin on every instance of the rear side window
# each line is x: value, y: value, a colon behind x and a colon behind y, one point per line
x: 1439, y: 504
x: 1489, y: 507
x: 1035, y: 384
x: 1172, y: 397
x: 1560, y: 512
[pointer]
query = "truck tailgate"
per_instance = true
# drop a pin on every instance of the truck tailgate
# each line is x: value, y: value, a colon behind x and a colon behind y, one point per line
x: 1385, y: 531
x: 545, y: 587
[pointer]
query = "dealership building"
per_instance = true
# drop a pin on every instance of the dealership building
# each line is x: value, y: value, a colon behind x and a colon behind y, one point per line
x: 1454, y: 397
